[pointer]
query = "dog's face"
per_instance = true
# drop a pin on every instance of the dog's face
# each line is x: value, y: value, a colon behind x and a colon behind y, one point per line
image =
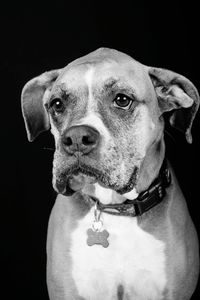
x: 105, y: 112
x: 113, y: 97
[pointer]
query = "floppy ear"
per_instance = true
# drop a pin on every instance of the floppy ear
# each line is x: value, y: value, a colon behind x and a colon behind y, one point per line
x: 177, y: 93
x: 33, y: 97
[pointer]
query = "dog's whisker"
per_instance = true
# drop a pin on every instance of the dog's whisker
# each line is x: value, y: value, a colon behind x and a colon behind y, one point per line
x: 50, y: 149
x: 170, y: 135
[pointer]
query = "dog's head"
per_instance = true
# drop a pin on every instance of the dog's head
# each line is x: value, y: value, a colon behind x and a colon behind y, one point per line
x: 105, y: 112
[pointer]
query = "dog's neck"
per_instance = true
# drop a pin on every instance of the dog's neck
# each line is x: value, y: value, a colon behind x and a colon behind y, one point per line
x: 145, y: 200
x: 131, y: 203
x: 106, y: 195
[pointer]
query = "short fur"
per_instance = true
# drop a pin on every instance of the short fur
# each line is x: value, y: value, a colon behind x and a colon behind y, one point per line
x: 154, y: 256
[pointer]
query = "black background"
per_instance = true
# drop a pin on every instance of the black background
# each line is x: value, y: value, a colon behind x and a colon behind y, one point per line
x: 37, y: 38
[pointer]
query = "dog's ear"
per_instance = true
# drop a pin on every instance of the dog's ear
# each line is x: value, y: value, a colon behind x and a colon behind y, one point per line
x: 175, y: 92
x: 33, y: 98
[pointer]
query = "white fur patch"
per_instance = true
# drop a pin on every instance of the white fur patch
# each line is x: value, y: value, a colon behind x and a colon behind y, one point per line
x: 106, y: 195
x: 92, y: 118
x: 88, y: 79
x: 134, y: 259
x: 131, y: 195
x: 103, y: 194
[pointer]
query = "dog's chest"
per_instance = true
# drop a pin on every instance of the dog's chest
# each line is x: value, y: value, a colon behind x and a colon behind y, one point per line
x: 132, y: 266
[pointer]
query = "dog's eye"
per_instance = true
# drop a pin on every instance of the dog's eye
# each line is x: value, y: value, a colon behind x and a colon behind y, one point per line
x: 122, y: 101
x: 57, y: 105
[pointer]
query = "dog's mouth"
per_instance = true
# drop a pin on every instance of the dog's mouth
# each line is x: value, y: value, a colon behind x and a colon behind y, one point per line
x: 79, y: 179
x: 83, y: 178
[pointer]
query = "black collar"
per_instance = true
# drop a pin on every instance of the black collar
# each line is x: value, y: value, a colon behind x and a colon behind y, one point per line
x: 145, y: 201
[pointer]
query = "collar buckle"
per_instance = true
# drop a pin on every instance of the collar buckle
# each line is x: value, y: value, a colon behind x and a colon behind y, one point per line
x: 143, y: 196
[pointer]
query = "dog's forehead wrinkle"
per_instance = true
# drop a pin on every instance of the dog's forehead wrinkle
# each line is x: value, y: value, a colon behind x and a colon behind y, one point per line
x: 120, y: 85
x: 110, y: 82
x: 116, y: 81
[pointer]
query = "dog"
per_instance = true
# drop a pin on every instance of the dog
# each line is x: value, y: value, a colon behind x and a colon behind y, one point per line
x: 120, y: 227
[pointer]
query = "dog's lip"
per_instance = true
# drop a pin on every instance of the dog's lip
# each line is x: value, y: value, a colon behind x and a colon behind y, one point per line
x: 62, y: 188
x: 75, y: 180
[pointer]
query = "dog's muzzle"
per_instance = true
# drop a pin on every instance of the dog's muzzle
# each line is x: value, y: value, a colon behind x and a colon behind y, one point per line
x: 81, y: 144
x: 78, y: 142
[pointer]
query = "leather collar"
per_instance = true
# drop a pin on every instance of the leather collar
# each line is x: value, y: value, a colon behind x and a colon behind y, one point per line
x: 145, y: 201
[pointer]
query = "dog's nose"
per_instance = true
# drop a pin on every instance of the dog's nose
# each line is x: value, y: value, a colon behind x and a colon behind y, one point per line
x: 80, y: 138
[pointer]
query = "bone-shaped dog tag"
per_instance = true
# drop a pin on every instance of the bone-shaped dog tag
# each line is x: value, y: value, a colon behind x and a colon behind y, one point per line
x: 97, y: 237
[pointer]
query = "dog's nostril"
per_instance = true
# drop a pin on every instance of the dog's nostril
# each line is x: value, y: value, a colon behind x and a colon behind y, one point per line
x: 68, y: 141
x: 87, y: 140
x: 80, y: 139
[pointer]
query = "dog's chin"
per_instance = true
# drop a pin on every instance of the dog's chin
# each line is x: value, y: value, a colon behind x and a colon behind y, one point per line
x: 83, y: 180
x: 80, y: 183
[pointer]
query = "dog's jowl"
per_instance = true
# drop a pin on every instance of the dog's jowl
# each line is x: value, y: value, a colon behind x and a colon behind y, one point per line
x: 120, y: 227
